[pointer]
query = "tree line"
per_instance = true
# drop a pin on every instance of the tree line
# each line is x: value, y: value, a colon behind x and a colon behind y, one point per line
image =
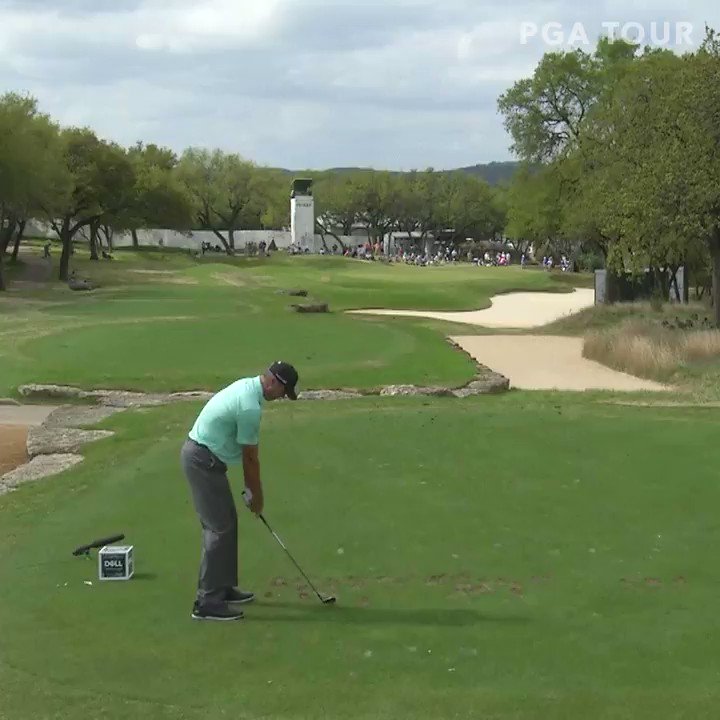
x: 622, y: 153
x: 76, y: 181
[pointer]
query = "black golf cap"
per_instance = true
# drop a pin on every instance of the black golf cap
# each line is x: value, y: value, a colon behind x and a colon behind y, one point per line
x: 287, y: 375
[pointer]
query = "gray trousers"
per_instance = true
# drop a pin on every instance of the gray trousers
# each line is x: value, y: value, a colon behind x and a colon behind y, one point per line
x: 215, y: 506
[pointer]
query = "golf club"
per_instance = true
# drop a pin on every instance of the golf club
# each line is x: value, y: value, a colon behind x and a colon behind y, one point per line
x: 85, y: 549
x: 325, y: 600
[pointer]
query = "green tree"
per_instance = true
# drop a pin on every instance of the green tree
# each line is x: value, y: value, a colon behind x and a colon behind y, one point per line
x: 201, y: 171
x: 410, y: 204
x: 228, y: 192
x: 534, y: 208
x: 377, y: 204
x: 645, y: 171
x: 102, y: 182
x: 471, y: 209
x: 242, y: 196
x: 663, y: 128
x: 432, y: 187
x: 549, y: 118
x: 276, y: 213
x: 159, y: 198
x: 337, y: 205
x: 32, y: 172
x: 545, y: 114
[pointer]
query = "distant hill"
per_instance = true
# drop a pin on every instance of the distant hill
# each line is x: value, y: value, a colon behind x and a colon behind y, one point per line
x: 493, y: 173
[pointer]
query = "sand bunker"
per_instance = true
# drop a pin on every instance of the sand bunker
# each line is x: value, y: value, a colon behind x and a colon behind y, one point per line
x: 25, y: 415
x: 547, y: 362
x: 13, y: 447
x: 514, y: 310
x: 533, y: 362
x: 15, y: 422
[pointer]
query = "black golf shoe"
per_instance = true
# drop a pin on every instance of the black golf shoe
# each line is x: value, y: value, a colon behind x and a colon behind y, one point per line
x: 216, y: 612
x: 238, y: 597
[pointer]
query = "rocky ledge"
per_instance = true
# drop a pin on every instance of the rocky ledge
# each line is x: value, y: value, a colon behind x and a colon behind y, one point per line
x: 487, y: 384
x: 111, y: 398
x: 54, y: 446
x: 39, y: 467
x: 44, y: 440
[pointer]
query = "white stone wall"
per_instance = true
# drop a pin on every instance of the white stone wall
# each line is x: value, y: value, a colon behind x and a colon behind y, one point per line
x: 193, y: 240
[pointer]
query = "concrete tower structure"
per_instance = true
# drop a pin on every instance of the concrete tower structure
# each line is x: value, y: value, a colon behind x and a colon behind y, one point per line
x: 302, y: 215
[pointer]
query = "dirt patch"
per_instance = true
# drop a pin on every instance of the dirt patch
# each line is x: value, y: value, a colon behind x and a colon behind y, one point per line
x: 435, y: 579
x: 654, y: 582
x: 461, y: 583
x: 229, y: 279
x: 13, y: 447
x: 167, y: 276
x: 179, y: 281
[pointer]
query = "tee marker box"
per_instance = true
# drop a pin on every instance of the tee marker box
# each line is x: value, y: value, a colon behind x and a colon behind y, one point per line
x: 116, y: 562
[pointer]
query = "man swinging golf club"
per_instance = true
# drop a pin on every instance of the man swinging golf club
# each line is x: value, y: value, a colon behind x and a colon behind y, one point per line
x: 227, y: 432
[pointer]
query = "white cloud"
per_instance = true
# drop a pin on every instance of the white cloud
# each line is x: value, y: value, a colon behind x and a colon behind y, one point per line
x: 206, y: 25
x: 238, y: 18
x: 152, y: 41
x: 296, y: 83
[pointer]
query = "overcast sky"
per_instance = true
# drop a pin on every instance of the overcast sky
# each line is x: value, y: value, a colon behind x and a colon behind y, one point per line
x: 395, y: 84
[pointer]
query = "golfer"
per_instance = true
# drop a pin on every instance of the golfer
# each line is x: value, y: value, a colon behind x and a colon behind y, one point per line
x: 227, y: 432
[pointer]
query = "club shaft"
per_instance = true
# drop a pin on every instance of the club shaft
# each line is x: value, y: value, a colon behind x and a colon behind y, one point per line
x: 282, y: 545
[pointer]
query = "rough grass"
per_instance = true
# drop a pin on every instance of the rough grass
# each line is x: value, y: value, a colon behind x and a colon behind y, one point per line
x: 12, y: 270
x: 645, y: 348
x: 601, y: 317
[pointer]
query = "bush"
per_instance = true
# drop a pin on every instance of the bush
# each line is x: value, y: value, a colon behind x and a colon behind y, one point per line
x: 650, y: 349
x: 590, y: 262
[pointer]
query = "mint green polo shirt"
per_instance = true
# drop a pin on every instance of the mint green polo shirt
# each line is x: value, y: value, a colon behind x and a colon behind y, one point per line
x: 231, y: 419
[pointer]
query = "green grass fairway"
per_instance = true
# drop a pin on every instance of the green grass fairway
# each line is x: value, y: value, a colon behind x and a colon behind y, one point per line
x: 512, y: 557
x: 161, y: 321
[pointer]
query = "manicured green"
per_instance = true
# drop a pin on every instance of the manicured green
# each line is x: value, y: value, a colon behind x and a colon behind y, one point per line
x: 519, y: 556
x: 163, y: 321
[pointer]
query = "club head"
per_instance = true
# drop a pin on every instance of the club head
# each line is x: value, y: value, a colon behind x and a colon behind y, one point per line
x: 329, y: 600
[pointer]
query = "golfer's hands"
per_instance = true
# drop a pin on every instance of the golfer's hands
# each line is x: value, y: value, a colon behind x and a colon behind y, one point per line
x: 256, y: 504
x: 253, y: 501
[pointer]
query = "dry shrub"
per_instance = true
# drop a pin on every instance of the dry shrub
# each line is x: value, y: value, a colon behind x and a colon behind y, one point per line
x: 647, y: 349
x: 701, y: 344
